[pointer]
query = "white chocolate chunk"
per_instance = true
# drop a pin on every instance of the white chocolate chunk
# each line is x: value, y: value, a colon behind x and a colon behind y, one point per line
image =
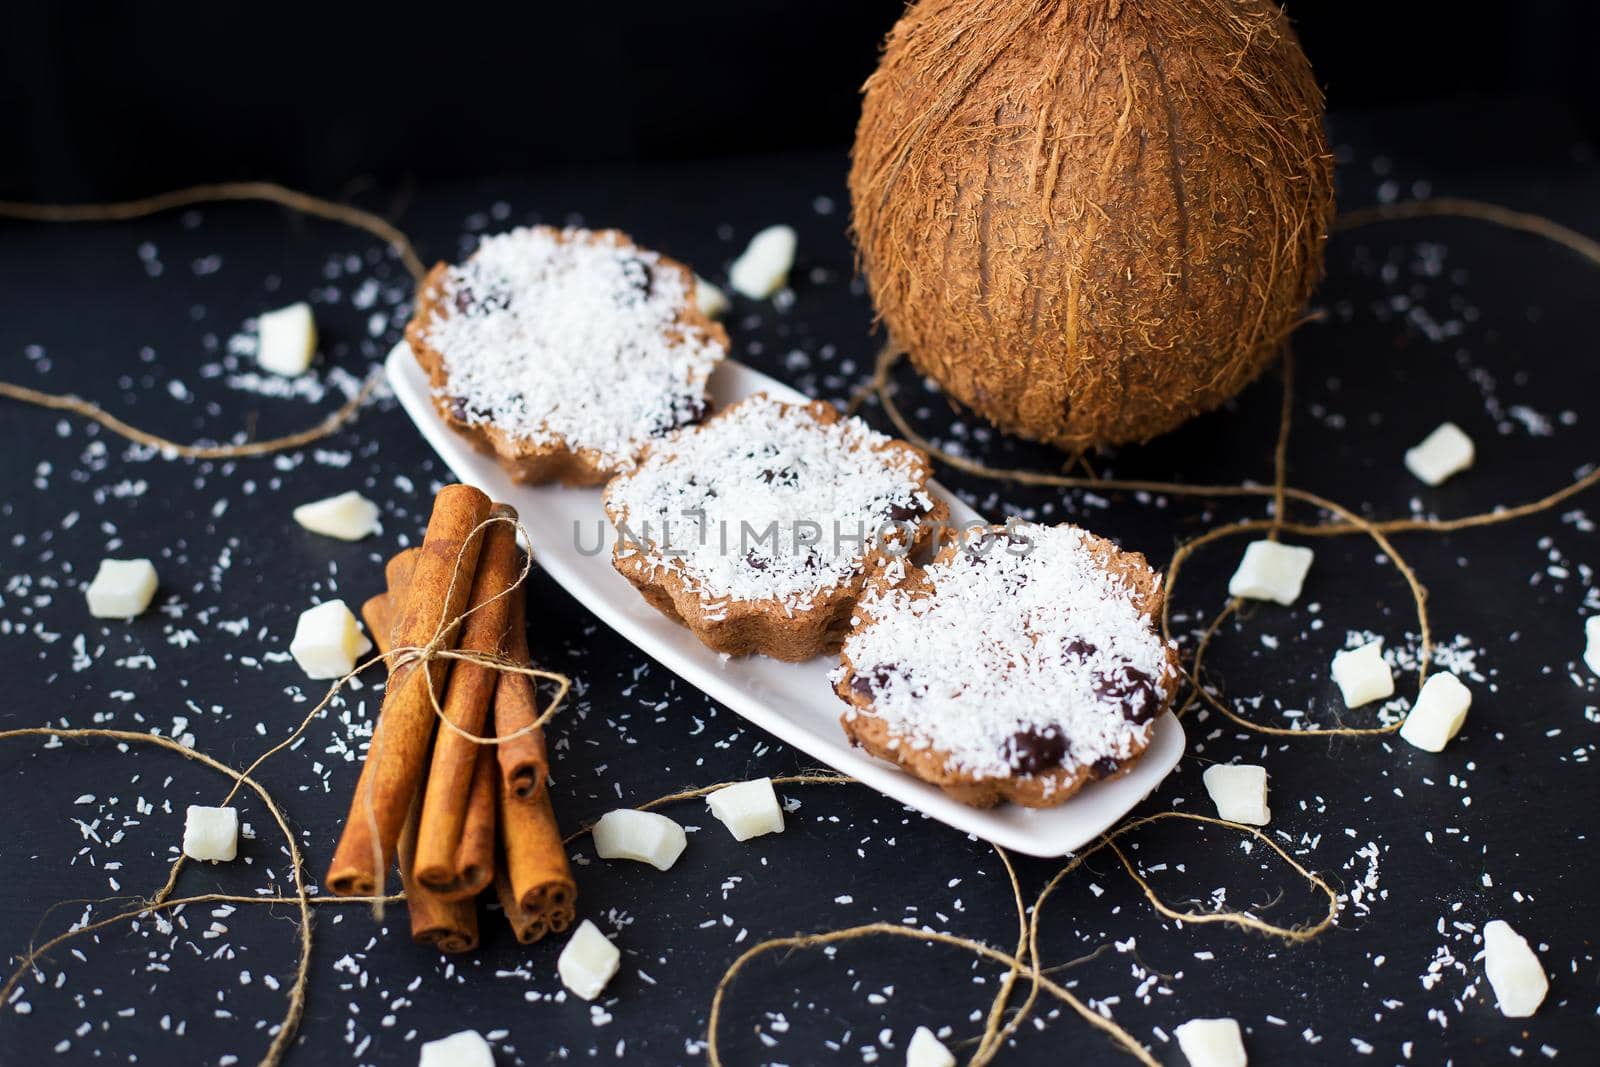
x: 1362, y: 676
x: 466, y: 1049
x: 286, y: 339
x: 1212, y: 1043
x: 211, y: 833
x: 925, y: 1050
x: 1443, y: 452
x: 1239, y: 790
x: 748, y: 809
x: 1270, y: 571
x: 348, y: 516
x: 1514, y: 971
x: 712, y: 302
x: 328, y: 641
x: 1437, y: 715
x: 122, y: 588
x: 626, y: 834
x: 764, y: 267
x: 1591, y: 653
x: 588, y: 962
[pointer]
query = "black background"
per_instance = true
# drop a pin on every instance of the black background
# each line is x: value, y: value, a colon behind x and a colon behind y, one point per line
x: 121, y: 105
x: 110, y: 100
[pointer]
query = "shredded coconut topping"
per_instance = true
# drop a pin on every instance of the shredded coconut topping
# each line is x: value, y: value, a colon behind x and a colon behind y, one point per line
x: 765, y: 502
x: 573, y: 338
x: 1023, y: 653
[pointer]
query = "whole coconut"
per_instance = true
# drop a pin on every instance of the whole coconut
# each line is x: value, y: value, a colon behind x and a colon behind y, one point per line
x: 1090, y: 220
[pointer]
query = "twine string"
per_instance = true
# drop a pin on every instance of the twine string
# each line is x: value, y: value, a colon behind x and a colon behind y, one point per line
x: 304, y: 203
x: 1027, y: 958
x: 284, y: 1032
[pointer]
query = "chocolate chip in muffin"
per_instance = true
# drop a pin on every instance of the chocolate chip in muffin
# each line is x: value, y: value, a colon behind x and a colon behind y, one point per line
x: 868, y: 683
x: 1078, y: 648
x: 783, y: 477
x: 1037, y: 749
x: 1133, y: 688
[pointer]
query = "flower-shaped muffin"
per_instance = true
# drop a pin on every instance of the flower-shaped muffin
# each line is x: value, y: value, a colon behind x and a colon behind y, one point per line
x: 1021, y: 664
x: 564, y: 353
x: 759, y: 528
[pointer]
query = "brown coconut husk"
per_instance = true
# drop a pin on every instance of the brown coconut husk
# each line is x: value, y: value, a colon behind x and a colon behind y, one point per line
x: 1091, y: 220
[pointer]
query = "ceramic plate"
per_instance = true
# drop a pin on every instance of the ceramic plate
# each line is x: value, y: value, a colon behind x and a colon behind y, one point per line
x: 792, y: 701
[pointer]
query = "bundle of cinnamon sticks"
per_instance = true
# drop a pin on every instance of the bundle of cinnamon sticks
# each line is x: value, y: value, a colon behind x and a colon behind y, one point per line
x: 456, y: 813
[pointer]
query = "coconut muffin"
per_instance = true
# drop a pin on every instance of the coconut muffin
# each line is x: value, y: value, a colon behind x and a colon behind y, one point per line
x: 1022, y: 664
x: 759, y: 529
x: 563, y: 353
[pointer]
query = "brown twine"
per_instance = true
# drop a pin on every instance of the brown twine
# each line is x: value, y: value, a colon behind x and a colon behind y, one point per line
x: 294, y: 200
x: 347, y: 214
x: 1023, y: 962
x: 297, y: 988
x: 1026, y: 960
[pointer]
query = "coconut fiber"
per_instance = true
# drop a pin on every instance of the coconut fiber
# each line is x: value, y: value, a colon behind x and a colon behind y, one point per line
x: 1092, y: 220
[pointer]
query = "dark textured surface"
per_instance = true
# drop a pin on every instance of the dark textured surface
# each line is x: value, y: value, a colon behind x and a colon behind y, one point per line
x: 1429, y: 320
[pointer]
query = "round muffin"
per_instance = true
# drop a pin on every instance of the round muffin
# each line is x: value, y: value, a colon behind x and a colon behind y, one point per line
x: 1022, y: 664
x: 759, y: 529
x: 563, y: 353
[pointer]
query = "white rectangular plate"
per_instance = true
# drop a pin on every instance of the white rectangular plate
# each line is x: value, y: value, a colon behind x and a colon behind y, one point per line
x: 791, y: 701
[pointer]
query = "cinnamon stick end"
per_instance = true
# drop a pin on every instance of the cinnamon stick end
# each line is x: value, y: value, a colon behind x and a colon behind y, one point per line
x: 352, y: 885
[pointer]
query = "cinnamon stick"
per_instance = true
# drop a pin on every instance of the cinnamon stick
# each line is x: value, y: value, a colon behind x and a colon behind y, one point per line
x: 474, y: 856
x: 441, y: 582
x: 445, y: 924
x: 473, y: 861
x: 524, y: 759
x: 448, y: 798
x: 527, y: 926
x: 376, y: 614
x: 537, y: 874
x: 397, y: 573
x: 449, y: 926
x: 378, y: 611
